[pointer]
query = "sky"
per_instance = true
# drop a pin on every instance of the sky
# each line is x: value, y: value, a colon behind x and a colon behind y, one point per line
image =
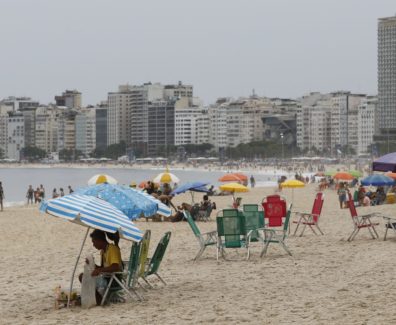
x: 279, y: 48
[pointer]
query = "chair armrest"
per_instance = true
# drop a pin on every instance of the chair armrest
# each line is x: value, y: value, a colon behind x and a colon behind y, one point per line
x: 210, y: 233
x: 369, y: 215
x: 389, y: 218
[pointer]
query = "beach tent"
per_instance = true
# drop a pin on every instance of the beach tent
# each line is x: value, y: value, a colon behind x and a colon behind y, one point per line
x: 385, y: 163
x: 91, y: 212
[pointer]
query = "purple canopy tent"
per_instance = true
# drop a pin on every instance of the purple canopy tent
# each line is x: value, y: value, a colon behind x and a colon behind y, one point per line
x: 385, y: 163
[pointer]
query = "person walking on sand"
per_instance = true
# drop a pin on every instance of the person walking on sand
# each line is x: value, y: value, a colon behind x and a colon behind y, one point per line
x: 70, y: 189
x: 62, y: 192
x: 1, y: 196
x: 252, y: 182
x: 42, y: 192
x: 30, y: 194
x: 342, y: 194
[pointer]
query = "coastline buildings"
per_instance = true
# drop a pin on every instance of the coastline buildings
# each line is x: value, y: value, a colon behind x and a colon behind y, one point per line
x: 143, y: 115
x: 338, y: 122
x: 386, y: 80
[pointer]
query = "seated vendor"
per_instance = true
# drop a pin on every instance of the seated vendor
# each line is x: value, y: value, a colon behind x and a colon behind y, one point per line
x: 110, y: 261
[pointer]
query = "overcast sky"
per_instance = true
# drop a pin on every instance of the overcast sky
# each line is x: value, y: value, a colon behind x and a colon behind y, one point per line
x: 281, y: 48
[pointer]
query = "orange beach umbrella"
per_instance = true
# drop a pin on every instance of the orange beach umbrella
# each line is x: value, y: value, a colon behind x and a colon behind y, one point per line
x: 343, y: 176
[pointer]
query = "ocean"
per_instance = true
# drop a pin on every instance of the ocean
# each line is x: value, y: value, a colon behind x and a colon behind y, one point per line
x: 17, y: 180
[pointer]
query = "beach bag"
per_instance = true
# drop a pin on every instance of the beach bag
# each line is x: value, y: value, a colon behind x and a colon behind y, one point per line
x: 88, y: 285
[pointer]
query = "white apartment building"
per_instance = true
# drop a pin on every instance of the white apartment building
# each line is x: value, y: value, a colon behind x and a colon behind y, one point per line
x: 191, y: 125
x: 366, y: 126
x: 128, y: 111
x: 46, y: 129
x: 16, y: 136
x: 236, y: 122
x: 85, y: 126
x: 3, y: 128
x: 66, y: 129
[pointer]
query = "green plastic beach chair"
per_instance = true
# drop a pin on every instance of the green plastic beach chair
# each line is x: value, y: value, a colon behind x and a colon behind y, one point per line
x: 125, y: 281
x: 231, y: 231
x: 276, y: 235
x: 205, y: 239
x: 154, y: 262
x: 254, y: 220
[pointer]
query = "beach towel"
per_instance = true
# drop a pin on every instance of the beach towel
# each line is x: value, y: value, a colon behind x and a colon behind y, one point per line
x: 88, y: 285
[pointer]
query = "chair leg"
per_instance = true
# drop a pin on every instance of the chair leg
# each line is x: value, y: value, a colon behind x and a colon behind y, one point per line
x: 123, y: 287
x: 313, y: 230
x: 285, y: 247
x: 386, y: 231
x: 106, y: 291
x: 320, y: 230
x: 148, y: 283
x: 371, y: 232
x: 264, y: 251
x: 162, y: 280
x: 303, y: 230
x: 375, y: 231
x: 200, y: 252
x: 298, y: 225
x: 352, y: 235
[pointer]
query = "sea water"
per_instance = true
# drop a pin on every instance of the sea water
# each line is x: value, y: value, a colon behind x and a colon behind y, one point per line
x: 17, y: 180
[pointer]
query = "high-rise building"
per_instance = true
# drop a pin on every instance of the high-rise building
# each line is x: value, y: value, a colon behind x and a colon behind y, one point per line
x: 128, y: 113
x: 16, y: 135
x: 19, y: 103
x: 69, y: 98
x: 46, y: 128
x: 85, y: 128
x: 101, y: 126
x: 386, y: 80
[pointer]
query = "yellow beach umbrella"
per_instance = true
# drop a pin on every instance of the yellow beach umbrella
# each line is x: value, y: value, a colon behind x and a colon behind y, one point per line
x: 101, y: 178
x: 292, y: 183
x: 234, y: 187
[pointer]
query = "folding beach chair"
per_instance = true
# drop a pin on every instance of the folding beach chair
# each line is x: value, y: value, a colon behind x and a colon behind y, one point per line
x: 390, y: 223
x: 205, y: 239
x: 154, y: 262
x: 125, y: 281
x: 231, y: 232
x: 360, y: 222
x: 274, y: 207
x: 310, y: 219
x: 254, y: 219
x: 276, y: 231
x: 204, y: 215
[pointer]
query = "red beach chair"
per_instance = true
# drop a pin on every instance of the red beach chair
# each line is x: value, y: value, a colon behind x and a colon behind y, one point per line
x: 360, y: 222
x: 311, y: 219
x: 274, y: 210
x: 278, y: 222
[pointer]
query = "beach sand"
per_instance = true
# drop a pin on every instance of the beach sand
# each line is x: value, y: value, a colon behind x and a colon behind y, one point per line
x: 326, y: 281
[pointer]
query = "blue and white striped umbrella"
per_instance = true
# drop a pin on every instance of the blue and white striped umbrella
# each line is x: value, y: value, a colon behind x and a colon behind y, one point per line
x: 133, y: 203
x: 92, y: 212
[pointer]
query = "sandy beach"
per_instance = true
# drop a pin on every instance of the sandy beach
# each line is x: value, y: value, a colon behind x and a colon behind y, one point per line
x: 327, y: 280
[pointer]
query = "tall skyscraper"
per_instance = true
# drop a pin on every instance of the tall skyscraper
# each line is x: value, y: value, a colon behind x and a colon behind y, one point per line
x: 387, y: 75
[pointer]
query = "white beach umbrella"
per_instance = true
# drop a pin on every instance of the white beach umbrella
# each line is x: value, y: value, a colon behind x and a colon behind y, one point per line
x: 101, y: 178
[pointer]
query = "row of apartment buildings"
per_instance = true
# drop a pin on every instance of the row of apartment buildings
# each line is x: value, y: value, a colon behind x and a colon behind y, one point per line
x: 153, y: 116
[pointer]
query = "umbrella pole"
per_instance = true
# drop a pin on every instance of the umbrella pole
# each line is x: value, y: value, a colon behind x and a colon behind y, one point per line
x: 75, y: 267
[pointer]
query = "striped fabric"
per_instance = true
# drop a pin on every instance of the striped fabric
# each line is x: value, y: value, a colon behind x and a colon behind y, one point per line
x: 93, y: 212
